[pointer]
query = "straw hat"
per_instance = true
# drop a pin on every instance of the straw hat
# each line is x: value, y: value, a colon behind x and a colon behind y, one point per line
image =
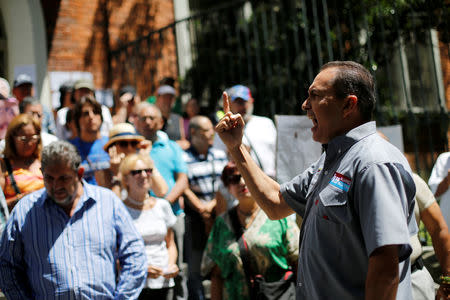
x: 121, y: 132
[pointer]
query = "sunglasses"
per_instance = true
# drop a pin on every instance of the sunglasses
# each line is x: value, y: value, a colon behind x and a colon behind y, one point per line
x: 234, y: 179
x: 149, y: 171
x: 125, y: 144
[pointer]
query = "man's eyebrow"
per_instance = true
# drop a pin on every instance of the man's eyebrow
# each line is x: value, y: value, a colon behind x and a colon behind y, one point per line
x: 312, y: 91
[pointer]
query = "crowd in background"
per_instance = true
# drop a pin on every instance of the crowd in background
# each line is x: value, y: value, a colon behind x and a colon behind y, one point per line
x: 184, y: 194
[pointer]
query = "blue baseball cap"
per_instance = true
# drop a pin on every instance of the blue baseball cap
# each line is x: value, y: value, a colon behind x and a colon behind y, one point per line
x: 239, y: 91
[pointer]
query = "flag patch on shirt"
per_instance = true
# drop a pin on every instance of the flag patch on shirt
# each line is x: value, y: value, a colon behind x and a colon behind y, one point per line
x: 341, y: 182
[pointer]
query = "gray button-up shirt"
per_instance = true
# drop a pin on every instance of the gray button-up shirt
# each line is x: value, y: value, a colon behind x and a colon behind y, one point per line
x: 357, y: 197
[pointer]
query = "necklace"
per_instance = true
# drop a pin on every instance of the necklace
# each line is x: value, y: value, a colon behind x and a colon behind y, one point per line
x: 245, y: 213
x: 248, y: 217
x: 139, y: 203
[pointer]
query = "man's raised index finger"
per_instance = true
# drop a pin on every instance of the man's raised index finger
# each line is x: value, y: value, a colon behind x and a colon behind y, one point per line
x: 226, y: 102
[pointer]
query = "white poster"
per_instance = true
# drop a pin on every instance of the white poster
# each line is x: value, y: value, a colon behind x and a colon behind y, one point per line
x: 394, y: 134
x: 296, y: 150
x: 58, y: 78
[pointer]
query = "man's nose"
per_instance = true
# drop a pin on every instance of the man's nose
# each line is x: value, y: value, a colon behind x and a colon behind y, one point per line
x: 305, y: 104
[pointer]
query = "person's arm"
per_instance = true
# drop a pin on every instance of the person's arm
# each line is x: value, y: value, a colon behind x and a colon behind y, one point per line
x: 181, y: 184
x: 13, y: 276
x: 194, y: 202
x: 120, y: 115
x: 173, y: 254
x: 382, y: 275
x: 264, y: 190
x: 437, y: 227
x: 159, y: 185
x: 216, y: 284
x: 130, y: 253
x: 443, y: 185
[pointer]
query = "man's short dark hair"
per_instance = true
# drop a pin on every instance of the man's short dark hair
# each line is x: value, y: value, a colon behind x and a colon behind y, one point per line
x: 353, y: 79
x: 79, y: 105
x: 27, y: 101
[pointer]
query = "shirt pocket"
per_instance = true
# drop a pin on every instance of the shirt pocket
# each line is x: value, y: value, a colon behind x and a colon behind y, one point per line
x: 334, y: 205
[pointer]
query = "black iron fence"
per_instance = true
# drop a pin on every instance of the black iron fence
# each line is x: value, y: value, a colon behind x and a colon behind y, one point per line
x: 277, y: 47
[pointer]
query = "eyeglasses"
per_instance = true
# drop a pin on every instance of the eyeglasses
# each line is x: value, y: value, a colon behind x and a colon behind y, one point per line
x: 149, y: 171
x: 125, y: 144
x: 234, y: 179
x: 24, y: 138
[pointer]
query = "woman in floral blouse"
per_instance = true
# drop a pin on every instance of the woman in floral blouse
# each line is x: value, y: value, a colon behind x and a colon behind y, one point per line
x: 273, y: 245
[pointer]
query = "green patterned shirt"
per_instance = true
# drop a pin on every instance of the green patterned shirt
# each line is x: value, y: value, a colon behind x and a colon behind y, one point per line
x: 273, y: 247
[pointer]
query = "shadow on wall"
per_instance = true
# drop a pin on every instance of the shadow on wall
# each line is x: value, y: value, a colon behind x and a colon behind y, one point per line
x: 111, y: 29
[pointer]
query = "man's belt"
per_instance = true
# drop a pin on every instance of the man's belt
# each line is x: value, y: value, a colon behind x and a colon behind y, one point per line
x: 417, y: 265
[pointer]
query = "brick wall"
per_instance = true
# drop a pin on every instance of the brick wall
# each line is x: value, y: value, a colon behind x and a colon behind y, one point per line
x: 86, y: 31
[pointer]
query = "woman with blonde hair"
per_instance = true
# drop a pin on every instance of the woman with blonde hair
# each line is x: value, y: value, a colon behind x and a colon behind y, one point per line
x: 154, y: 219
x: 21, y: 165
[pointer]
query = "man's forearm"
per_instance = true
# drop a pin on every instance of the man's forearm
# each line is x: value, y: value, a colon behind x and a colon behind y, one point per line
x: 263, y: 188
x: 442, y: 187
x: 181, y: 184
x: 438, y: 229
x: 193, y: 201
x: 382, y: 274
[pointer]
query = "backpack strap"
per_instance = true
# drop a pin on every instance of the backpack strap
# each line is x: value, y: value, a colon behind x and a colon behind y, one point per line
x: 11, y: 176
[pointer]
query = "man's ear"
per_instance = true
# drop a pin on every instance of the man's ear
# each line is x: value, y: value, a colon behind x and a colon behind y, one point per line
x: 350, y: 105
x: 80, y: 172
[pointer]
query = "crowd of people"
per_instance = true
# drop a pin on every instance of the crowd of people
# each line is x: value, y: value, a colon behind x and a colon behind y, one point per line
x: 141, y: 202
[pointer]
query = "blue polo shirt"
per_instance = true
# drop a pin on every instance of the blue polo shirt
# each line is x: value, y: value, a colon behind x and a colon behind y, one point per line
x: 168, y: 159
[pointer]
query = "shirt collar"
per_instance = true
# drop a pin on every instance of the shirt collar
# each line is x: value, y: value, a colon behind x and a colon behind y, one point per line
x: 342, y: 143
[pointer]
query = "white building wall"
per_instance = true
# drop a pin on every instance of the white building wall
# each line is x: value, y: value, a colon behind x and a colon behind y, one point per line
x: 26, y: 41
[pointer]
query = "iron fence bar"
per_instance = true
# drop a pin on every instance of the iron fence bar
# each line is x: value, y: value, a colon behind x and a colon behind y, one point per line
x: 295, y: 33
x: 391, y: 89
x: 276, y: 33
x: 353, y: 36
x: 338, y: 31
x: 317, y: 33
x: 268, y: 95
x: 327, y: 30
x: 422, y: 96
x: 433, y: 58
x: 307, y: 42
x: 371, y: 60
x: 229, y: 74
x: 196, y: 75
x: 248, y: 51
x: 240, y: 52
x: 257, y: 56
